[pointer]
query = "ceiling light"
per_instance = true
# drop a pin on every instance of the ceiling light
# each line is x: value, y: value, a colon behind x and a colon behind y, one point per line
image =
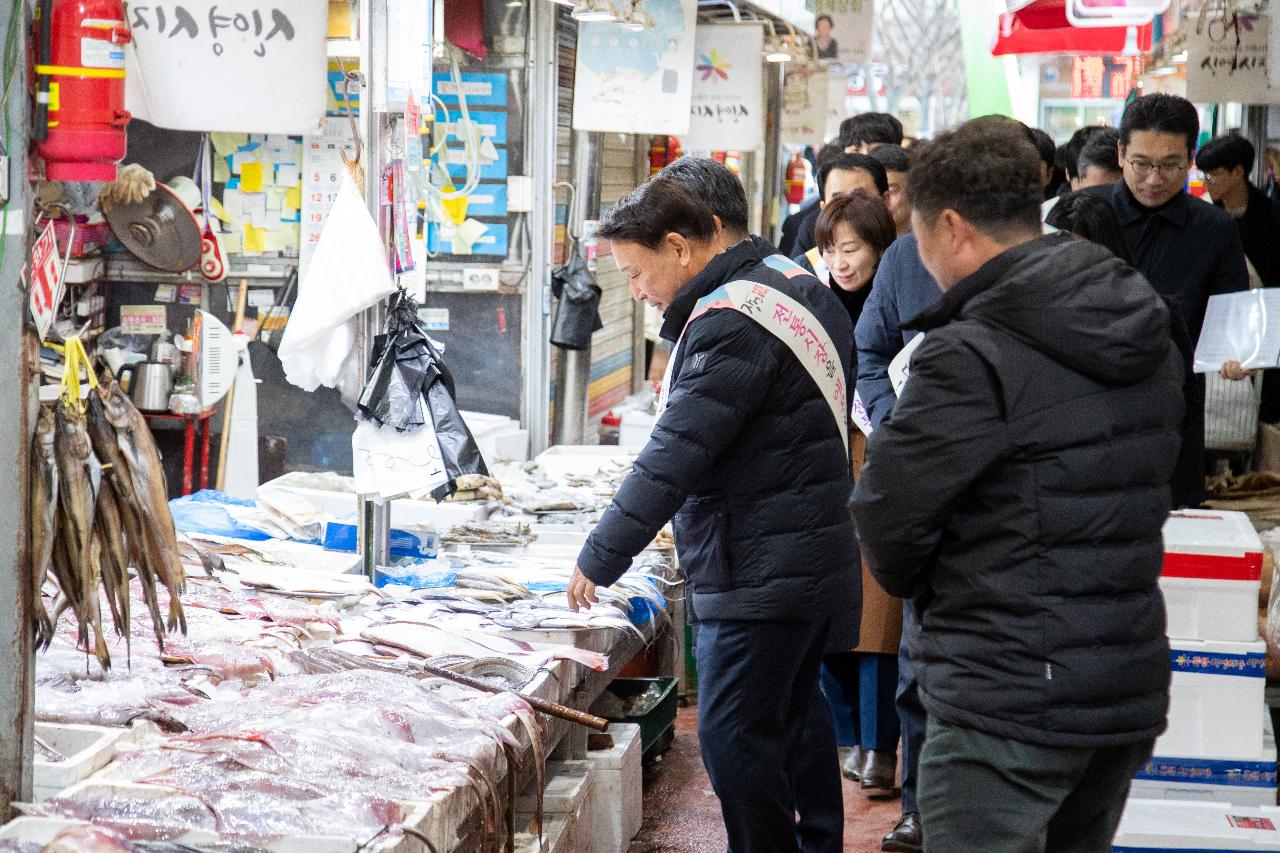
x: 601, y: 11
x: 1164, y: 72
x: 1179, y: 57
x: 776, y: 53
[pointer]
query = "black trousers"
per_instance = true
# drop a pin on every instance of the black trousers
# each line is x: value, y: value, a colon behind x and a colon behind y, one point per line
x: 988, y: 793
x: 911, y: 714
x: 762, y: 742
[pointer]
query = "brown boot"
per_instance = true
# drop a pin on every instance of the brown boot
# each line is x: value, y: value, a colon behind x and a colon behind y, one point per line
x: 879, y: 772
x: 851, y: 767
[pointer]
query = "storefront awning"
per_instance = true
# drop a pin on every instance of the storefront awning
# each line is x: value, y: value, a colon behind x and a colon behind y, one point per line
x: 1042, y: 27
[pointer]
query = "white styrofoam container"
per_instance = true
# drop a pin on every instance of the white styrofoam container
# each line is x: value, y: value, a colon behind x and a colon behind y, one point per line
x: 636, y: 428
x: 567, y: 802
x: 404, y: 513
x: 1244, y: 782
x: 583, y: 460
x: 1159, y: 825
x: 1211, y: 575
x: 1216, y: 702
x: 619, y: 790
x: 87, y: 750
x: 557, y: 837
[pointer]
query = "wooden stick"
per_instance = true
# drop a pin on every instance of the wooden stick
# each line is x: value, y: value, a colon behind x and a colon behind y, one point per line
x: 554, y: 709
x: 231, y: 392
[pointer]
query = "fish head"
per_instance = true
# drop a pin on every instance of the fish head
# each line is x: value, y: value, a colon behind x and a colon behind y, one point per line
x: 46, y: 429
x: 70, y: 432
x: 117, y: 404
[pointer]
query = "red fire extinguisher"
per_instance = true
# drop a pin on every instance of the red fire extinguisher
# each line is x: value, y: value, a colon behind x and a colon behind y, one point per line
x: 80, y: 119
x: 657, y: 154
x: 795, y: 179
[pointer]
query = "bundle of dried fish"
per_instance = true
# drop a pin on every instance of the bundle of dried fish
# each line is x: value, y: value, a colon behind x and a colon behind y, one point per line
x: 98, y: 505
x: 493, y: 533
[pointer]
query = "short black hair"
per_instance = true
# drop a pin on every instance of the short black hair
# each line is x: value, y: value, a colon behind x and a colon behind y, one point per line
x: 1045, y: 147
x: 1161, y: 114
x: 824, y: 17
x: 1226, y: 152
x: 894, y: 158
x: 851, y: 163
x: 986, y: 171
x: 1100, y: 152
x: 864, y: 213
x: 716, y: 185
x: 1073, y: 146
x: 1092, y: 218
x: 655, y: 209
x: 870, y: 128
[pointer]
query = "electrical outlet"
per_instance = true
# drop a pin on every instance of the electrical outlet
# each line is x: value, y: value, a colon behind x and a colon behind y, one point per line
x: 479, y: 278
x: 4, y: 178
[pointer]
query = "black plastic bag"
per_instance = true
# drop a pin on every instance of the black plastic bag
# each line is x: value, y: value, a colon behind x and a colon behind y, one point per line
x: 578, y: 311
x: 408, y: 369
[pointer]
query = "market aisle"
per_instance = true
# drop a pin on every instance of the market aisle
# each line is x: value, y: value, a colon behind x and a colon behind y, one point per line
x: 681, y: 814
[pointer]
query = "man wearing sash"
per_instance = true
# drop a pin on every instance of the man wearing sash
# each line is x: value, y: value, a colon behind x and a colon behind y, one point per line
x: 750, y: 457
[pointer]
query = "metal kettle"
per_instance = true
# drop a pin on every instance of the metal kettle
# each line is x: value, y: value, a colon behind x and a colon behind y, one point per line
x: 150, y: 385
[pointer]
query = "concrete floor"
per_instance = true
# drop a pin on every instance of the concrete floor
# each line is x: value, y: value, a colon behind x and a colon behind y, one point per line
x: 682, y: 814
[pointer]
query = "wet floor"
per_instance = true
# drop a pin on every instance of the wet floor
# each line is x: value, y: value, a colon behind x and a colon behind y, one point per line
x: 682, y: 814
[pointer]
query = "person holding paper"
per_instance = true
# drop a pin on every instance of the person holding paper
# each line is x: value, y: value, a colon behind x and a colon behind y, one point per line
x: 750, y: 454
x: 1016, y: 494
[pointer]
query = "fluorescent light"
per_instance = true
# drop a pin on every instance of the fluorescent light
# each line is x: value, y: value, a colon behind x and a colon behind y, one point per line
x: 1164, y: 72
x: 777, y: 56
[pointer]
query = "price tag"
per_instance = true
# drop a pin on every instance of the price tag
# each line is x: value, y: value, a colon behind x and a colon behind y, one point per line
x: 45, y: 281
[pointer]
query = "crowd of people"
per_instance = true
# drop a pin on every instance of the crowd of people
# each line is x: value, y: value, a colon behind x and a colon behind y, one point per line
x: 960, y: 610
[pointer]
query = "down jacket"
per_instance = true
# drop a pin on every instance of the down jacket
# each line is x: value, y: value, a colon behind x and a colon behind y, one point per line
x: 1018, y: 490
x: 749, y: 454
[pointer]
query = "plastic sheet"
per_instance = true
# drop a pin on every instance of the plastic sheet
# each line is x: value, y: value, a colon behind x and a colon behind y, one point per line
x: 578, y: 311
x: 206, y: 512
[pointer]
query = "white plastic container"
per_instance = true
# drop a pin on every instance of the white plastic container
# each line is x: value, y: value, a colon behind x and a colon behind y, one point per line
x: 567, y: 808
x: 1244, y: 782
x: 1159, y: 825
x: 583, y: 460
x: 87, y: 750
x: 404, y: 513
x: 1216, y: 707
x: 619, y: 791
x: 1211, y: 575
x: 636, y: 428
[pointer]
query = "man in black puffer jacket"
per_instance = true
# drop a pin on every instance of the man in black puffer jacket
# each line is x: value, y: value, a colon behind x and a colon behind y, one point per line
x: 1017, y: 493
x: 752, y: 451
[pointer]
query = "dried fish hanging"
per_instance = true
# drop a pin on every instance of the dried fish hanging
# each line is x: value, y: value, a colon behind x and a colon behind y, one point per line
x: 99, y: 504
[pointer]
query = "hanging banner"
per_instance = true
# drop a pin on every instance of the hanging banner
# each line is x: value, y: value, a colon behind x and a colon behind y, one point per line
x: 842, y: 30
x: 241, y: 66
x: 46, y: 287
x: 637, y: 82
x: 837, y: 108
x: 727, y: 104
x: 1227, y: 61
x: 804, y: 107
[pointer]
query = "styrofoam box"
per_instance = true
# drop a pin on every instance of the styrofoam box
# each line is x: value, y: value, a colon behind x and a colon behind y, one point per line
x: 582, y: 460
x: 636, y: 428
x: 1165, y: 825
x: 1211, y: 575
x: 619, y: 790
x: 1244, y: 782
x: 87, y: 750
x: 1216, y: 703
x: 498, y: 437
x: 568, y: 797
x: 404, y: 513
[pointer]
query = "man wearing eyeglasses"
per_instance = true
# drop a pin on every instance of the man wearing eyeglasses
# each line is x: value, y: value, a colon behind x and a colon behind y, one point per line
x: 1187, y: 248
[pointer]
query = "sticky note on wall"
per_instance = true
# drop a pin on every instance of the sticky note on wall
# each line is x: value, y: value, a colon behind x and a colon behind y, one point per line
x: 251, y: 177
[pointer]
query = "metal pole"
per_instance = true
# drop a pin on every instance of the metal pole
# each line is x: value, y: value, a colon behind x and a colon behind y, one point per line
x: 374, y: 517
x: 771, y: 156
x: 573, y: 379
x: 17, y: 401
x: 540, y: 151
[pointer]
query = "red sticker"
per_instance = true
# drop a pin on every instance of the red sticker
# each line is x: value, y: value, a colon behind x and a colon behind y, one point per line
x: 1240, y: 822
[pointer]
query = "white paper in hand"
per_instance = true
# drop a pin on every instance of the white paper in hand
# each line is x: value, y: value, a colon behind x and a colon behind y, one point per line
x: 1243, y: 327
x: 900, y: 367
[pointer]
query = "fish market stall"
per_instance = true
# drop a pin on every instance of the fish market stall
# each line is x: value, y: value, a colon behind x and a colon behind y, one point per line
x: 304, y: 706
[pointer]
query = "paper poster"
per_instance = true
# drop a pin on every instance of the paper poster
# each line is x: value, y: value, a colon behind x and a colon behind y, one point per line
x: 322, y: 171
x: 1243, y: 327
x: 143, y: 320
x: 254, y: 64
x: 837, y: 111
x: 842, y: 30
x: 804, y: 107
x: 1228, y: 61
x: 637, y: 82
x: 727, y: 100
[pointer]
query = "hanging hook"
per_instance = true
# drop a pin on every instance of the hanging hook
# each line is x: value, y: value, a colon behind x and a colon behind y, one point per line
x: 348, y: 77
x: 570, y: 210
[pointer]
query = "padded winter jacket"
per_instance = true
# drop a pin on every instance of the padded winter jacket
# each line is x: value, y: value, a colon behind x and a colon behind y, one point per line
x: 748, y: 453
x: 1018, y: 489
